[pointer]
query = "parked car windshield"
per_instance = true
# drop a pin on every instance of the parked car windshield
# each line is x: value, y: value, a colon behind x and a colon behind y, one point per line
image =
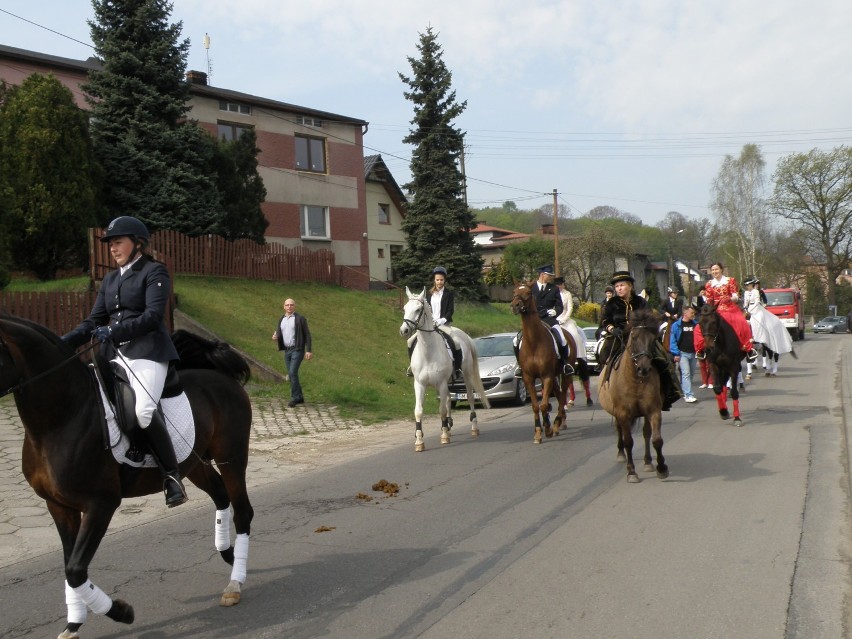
x: 498, y: 346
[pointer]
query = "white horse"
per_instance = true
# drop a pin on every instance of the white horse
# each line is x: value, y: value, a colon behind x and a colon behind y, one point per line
x: 432, y: 366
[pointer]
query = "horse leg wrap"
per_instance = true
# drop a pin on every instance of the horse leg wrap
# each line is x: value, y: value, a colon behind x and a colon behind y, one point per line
x: 93, y: 597
x: 241, y: 548
x: 223, y: 529
x: 77, y: 611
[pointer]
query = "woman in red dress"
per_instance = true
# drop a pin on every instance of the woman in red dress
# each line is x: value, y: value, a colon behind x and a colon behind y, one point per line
x: 724, y: 292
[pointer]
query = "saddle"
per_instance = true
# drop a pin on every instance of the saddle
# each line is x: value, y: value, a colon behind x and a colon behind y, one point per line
x: 453, y: 348
x: 122, y: 397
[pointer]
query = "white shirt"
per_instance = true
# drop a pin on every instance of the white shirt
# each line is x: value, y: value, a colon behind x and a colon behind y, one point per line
x: 288, y: 331
x: 436, y: 303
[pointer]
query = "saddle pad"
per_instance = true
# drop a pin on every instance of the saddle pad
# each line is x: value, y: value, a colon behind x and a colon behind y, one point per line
x: 556, y: 345
x: 178, y: 416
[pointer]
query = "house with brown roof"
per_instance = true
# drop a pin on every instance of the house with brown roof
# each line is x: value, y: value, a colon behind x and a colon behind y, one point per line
x: 311, y: 161
x: 386, y: 207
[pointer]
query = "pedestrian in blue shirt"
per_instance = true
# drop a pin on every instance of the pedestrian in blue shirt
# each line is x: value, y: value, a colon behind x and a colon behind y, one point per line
x: 682, y: 347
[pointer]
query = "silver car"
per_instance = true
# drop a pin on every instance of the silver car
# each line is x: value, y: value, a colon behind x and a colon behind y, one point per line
x: 591, y: 345
x: 497, y: 364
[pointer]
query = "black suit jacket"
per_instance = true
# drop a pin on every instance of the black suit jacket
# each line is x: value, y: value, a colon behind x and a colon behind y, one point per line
x: 134, y: 306
x: 448, y: 305
x: 545, y: 300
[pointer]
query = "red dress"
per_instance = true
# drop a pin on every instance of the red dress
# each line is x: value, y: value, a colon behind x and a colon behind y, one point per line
x: 724, y: 292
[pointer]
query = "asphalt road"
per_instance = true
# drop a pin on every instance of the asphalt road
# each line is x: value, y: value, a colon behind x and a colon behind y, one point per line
x: 497, y: 537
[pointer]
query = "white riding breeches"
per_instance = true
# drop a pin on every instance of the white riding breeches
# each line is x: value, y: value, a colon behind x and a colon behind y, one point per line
x: 147, y: 379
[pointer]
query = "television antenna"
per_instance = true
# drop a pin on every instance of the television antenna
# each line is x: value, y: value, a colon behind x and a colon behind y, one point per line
x: 206, y: 42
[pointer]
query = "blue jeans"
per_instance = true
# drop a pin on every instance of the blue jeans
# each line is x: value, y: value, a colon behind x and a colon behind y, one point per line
x: 687, y: 368
x: 292, y: 360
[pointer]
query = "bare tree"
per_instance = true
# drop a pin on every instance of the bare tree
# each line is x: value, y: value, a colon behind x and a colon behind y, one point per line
x: 589, y: 260
x: 814, y: 191
x: 610, y: 212
x: 740, y: 206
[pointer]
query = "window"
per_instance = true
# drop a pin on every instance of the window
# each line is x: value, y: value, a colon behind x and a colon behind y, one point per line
x: 229, y: 131
x: 310, y: 154
x: 305, y: 121
x: 234, y: 107
x: 314, y: 222
x: 384, y: 213
x: 381, y: 252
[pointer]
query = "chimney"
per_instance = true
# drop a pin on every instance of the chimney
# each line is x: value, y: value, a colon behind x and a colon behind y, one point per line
x: 196, y: 77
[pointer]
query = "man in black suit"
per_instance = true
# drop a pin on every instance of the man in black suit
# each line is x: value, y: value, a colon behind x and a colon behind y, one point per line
x: 548, y: 302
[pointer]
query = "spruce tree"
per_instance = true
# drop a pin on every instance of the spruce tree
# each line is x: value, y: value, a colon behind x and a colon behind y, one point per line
x: 157, y: 164
x: 48, y: 178
x: 240, y: 187
x: 437, y: 221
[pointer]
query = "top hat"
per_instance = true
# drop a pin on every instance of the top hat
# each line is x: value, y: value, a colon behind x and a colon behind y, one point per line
x: 751, y: 279
x: 558, y: 280
x: 622, y: 276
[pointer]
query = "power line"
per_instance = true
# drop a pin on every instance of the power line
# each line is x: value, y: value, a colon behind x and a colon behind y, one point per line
x: 41, y: 26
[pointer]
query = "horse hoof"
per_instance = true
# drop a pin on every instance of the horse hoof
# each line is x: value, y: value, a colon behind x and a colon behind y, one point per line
x: 474, y: 432
x: 633, y: 479
x: 589, y: 401
x: 537, y: 437
x: 662, y: 474
x: 445, y: 437
x: 232, y: 594
x: 570, y: 402
x: 648, y: 468
x: 737, y: 422
x: 621, y: 457
x: 548, y: 432
x: 419, y: 444
x: 724, y: 414
x: 69, y: 634
x: 419, y: 447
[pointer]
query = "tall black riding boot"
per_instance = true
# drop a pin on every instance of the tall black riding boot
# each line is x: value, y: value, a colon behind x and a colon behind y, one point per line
x: 161, y: 446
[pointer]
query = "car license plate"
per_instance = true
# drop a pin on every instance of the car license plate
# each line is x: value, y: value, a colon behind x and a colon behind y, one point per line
x: 461, y: 395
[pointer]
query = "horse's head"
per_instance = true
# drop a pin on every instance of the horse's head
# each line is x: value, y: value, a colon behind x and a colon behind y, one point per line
x: 416, y: 314
x: 642, y: 342
x: 523, y: 302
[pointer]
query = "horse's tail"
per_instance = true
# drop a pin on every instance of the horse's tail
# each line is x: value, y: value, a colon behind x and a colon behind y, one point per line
x: 198, y: 352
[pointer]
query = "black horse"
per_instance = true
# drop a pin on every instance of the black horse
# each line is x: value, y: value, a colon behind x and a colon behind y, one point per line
x: 723, y: 352
x: 69, y: 464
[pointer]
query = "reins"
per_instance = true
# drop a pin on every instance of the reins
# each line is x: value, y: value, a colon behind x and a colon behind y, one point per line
x: 53, y: 369
x: 415, y: 324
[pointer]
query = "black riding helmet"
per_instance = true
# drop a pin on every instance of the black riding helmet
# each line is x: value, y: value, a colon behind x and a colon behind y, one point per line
x: 126, y: 226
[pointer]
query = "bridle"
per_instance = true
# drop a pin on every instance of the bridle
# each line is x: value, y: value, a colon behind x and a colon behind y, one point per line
x: 522, y: 306
x: 644, y: 353
x: 415, y: 324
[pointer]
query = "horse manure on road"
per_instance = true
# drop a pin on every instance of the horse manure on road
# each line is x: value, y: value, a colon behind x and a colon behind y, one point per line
x: 384, y: 486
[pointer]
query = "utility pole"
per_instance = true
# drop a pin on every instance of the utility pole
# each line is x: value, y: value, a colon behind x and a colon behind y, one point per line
x: 555, y: 235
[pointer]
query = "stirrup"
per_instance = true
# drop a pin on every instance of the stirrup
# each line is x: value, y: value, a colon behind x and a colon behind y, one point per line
x: 408, y: 372
x: 567, y: 369
x: 174, y: 491
x: 700, y: 355
x: 519, y: 372
x: 751, y: 356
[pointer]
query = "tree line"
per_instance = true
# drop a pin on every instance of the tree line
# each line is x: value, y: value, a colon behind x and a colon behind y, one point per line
x: 796, y: 235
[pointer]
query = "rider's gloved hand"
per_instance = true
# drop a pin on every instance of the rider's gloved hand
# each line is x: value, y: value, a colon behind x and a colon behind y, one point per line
x: 551, y: 312
x: 102, y: 334
x: 618, y: 332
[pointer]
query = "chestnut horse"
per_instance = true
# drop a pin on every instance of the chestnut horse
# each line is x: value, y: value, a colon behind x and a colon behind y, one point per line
x: 630, y: 389
x: 722, y: 349
x: 538, y: 360
x: 67, y: 457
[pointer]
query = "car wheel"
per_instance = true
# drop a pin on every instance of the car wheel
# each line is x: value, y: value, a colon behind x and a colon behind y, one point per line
x: 521, y: 396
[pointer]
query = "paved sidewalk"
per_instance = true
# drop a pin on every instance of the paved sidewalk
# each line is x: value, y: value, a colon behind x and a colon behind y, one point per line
x: 27, y: 530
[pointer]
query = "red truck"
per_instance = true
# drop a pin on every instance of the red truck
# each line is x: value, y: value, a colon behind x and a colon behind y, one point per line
x: 786, y: 304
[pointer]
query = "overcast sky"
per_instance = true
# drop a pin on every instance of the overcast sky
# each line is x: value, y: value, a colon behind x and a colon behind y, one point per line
x: 627, y: 104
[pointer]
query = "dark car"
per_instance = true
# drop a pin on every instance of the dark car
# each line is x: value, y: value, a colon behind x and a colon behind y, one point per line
x: 831, y: 324
x: 497, y: 364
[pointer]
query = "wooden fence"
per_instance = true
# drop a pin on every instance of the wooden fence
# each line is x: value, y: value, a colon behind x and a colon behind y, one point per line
x: 215, y: 256
x: 58, y: 311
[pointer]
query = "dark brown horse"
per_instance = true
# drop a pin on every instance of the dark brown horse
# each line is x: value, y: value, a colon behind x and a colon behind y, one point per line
x: 67, y: 457
x: 630, y: 389
x: 722, y: 349
x: 538, y: 360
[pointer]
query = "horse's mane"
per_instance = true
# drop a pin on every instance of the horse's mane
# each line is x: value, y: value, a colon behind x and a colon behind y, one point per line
x: 644, y: 318
x: 49, y: 335
x: 198, y: 352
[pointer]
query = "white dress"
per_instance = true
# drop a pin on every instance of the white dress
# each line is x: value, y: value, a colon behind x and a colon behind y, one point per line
x: 766, y: 327
x: 570, y: 325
